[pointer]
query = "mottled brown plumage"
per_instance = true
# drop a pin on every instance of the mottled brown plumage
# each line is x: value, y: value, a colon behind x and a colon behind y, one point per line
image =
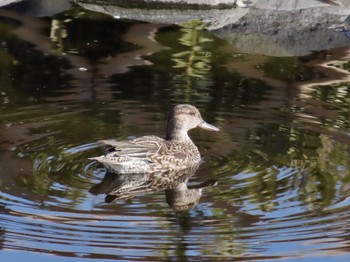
x: 154, y: 154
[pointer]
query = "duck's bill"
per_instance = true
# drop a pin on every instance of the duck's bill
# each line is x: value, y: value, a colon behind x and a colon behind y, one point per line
x: 207, y: 126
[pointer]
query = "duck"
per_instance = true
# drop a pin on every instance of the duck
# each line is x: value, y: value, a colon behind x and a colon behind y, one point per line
x: 150, y: 154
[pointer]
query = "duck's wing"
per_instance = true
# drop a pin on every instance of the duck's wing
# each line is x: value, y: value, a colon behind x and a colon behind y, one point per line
x: 141, y: 147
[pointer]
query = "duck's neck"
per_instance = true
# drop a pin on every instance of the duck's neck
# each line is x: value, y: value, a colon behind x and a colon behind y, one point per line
x: 175, y: 133
x: 178, y: 135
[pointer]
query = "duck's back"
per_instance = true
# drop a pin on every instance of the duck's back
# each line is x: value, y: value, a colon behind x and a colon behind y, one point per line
x: 140, y: 147
x: 148, y: 154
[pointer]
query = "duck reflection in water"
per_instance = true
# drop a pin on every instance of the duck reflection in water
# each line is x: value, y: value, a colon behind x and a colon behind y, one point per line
x: 179, y: 195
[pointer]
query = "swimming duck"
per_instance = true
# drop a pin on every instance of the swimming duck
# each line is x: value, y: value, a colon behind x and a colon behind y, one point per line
x: 153, y: 154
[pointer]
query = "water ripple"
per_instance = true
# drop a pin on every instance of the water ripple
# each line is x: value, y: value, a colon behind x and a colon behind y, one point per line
x: 282, y: 188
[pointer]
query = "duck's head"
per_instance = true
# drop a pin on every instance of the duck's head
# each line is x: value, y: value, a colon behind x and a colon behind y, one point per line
x: 183, y: 118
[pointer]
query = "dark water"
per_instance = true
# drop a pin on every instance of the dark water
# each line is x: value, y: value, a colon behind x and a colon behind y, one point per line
x: 281, y: 159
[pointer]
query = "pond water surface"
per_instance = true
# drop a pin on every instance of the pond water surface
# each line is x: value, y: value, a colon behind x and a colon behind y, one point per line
x: 277, y: 174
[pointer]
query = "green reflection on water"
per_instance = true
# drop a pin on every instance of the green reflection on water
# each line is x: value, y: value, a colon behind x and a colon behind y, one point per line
x: 287, y: 69
x: 27, y: 73
x: 91, y: 35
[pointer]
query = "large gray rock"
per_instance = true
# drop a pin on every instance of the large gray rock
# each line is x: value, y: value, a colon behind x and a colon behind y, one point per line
x: 271, y: 27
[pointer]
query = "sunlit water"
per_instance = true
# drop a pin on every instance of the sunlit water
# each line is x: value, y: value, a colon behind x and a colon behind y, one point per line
x: 281, y: 159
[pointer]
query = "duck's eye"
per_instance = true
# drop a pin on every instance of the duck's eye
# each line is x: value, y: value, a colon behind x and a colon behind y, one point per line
x: 192, y: 113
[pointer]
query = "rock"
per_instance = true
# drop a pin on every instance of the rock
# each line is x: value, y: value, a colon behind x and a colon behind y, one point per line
x: 271, y: 27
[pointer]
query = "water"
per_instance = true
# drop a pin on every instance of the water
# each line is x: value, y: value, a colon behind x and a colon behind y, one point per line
x: 277, y: 172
